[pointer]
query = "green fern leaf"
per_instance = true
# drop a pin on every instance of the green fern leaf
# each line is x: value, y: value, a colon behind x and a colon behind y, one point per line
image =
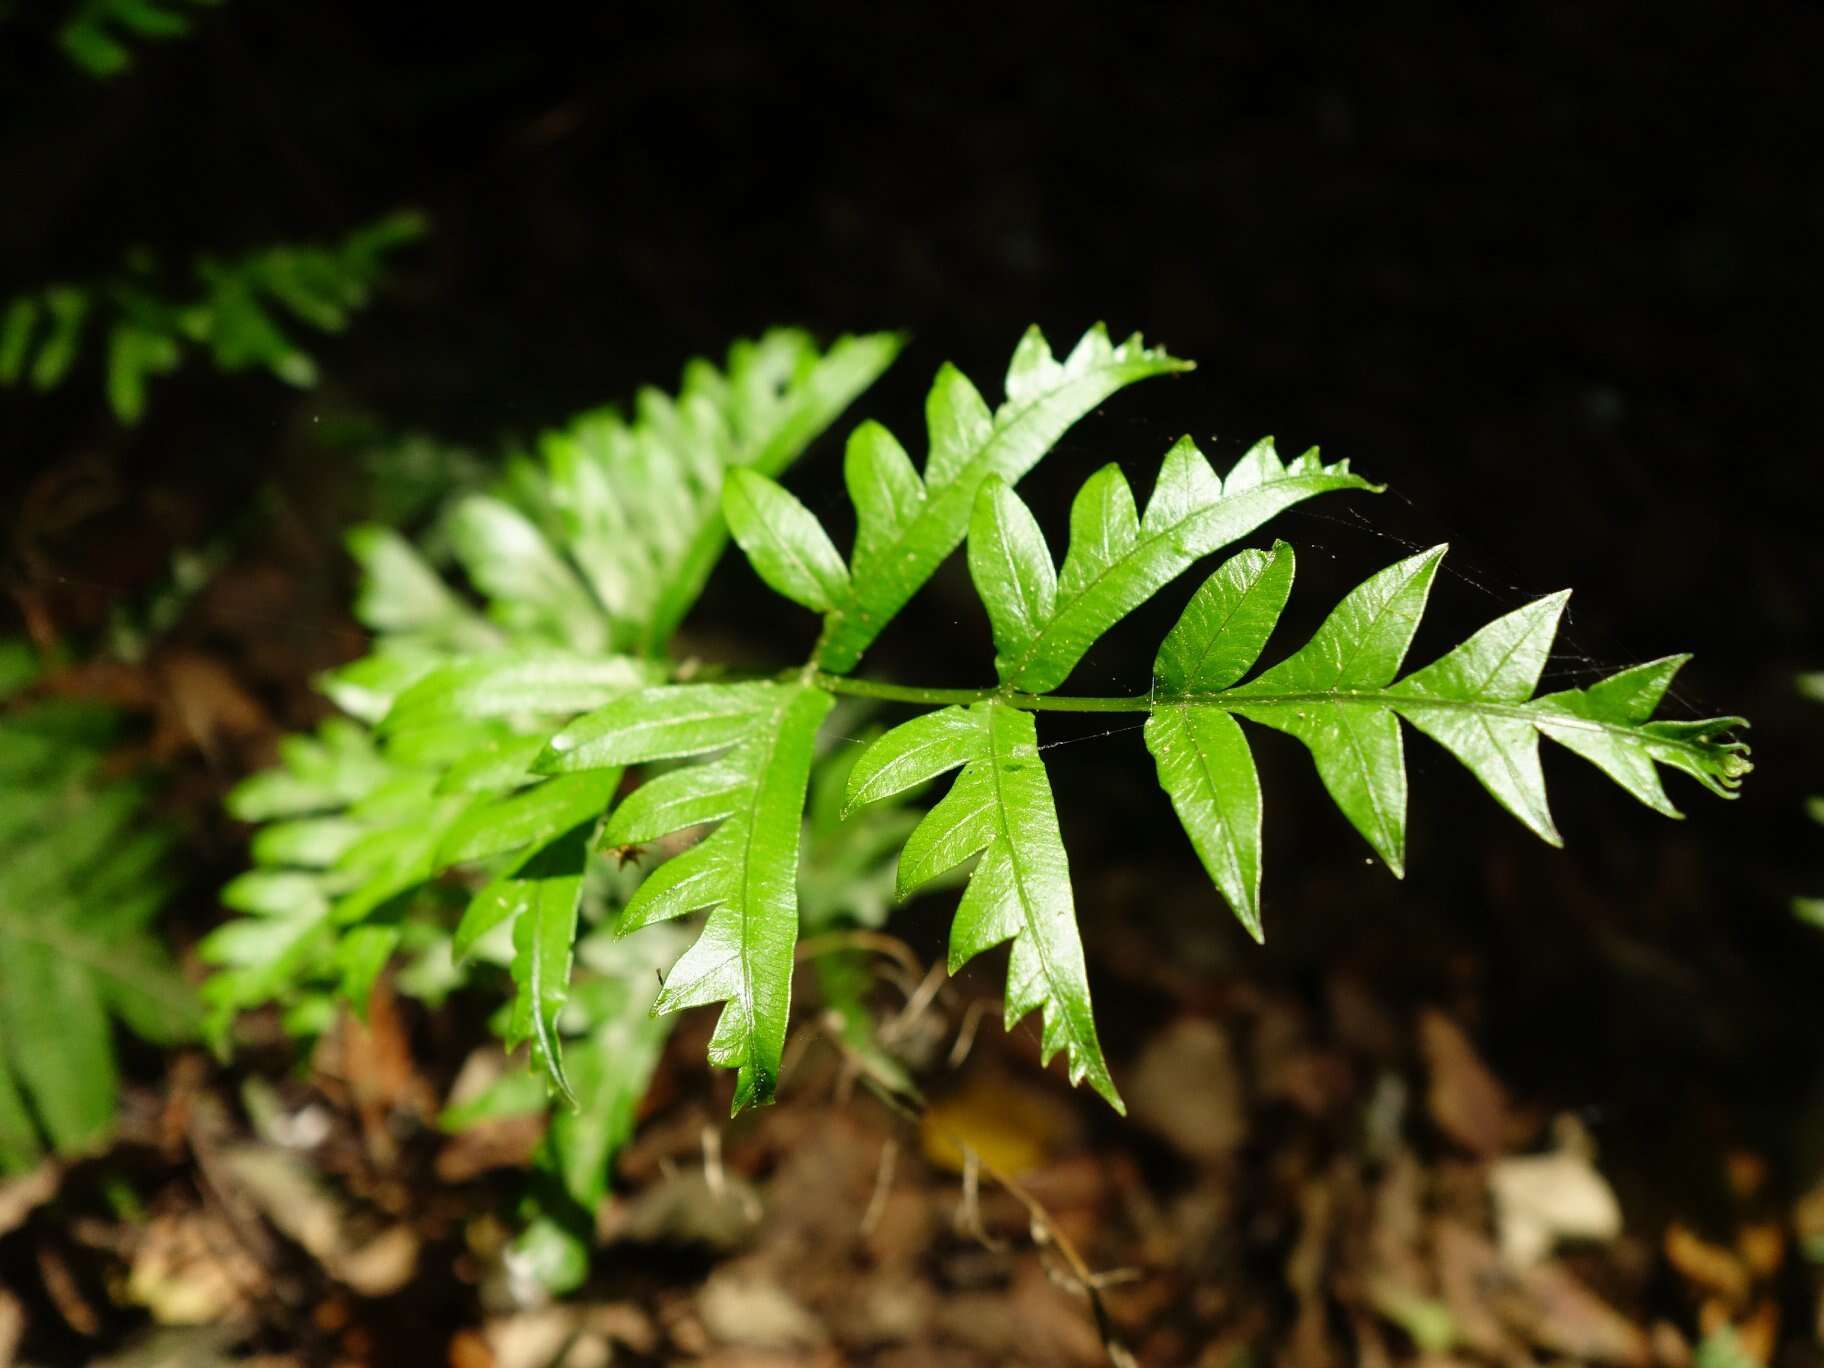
x: 359, y: 958
x: 1000, y: 808
x: 285, y: 927
x: 532, y: 590
x: 1206, y: 769
x: 401, y: 595
x: 907, y: 527
x: 1338, y: 695
x: 744, y: 874
x: 612, y: 1043
x: 229, y: 310
x: 16, y: 326
x: 602, y: 544
x: 81, y: 877
x: 520, y: 683
x: 87, y: 36
x: 1358, y: 650
x: 546, y: 891
x: 624, y: 522
x: 785, y: 542
x: 67, y: 308
x: 1117, y: 559
x: 535, y: 815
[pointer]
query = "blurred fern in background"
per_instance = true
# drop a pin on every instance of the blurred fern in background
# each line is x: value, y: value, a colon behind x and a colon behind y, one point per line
x: 231, y: 312
x: 82, y: 876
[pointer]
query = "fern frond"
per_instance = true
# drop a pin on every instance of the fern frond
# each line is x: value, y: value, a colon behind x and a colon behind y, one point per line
x: 1045, y: 620
x: 1340, y: 697
x: 908, y: 526
x: 505, y: 728
x: 89, y: 37
x: 604, y: 542
x: 999, y: 808
x: 231, y: 311
x: 744, y: 875
x: 81, y: 878
x: 613, y: 536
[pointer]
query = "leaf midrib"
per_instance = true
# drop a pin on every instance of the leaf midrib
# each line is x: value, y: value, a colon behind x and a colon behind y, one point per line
x: 1140, y: 548
x: 939, y: 498
x: 1076, y: 1049
x: 775, y: 726
x: 784, y: 543
x: 1234, y: 700
x: 1209, y: 646
x: 1216, y: 790
x: 90, y: 953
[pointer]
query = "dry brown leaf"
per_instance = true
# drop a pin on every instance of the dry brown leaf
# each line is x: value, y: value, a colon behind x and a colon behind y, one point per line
x: 1762, y: 1246
x: 1760, y: 1332
x: 21, y: 1196
x: 739, y: 1307
x: 190, y: 1269
x: 291, y: 1195
x: 1466, y: 1101
x: 381, y: 1266
x: 201, y: 705
x: 1746, y: 1172
x: 1464, y: 1263
x: 373, y: 1060
x: 12, y: 1327
x: 188, y: 1346
x: 1546, y: 1304
x: 66, y: 1295
x: 527, y: 1339
x: 686, y: 1209
x: 1709, y: 1266
x: 469, y: 1349
x: 1185, y: 1086
x: 1563, y: 1316
x: 1541, y: 1199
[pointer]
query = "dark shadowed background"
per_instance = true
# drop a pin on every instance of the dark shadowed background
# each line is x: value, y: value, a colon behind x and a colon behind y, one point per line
x: 1549, y: 272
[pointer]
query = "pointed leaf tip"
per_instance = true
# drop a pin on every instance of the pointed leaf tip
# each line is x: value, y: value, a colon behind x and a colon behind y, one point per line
x: 783, y: 539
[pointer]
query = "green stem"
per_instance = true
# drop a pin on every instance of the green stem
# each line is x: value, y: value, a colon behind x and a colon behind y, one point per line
x: 1232, y: 700
x: 937, y: 698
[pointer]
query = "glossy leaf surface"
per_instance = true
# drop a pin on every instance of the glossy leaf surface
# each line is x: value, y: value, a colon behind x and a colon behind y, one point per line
x: 1339, y: 695
x: 907, y: 527
x: 787, y: 545
x: 999, y: 808
x: 1118, y: 560
x: 743, y: 874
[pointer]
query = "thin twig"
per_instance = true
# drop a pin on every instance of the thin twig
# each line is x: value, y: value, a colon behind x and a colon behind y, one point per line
x: 965, y: 1034
x: 883, y: 1185
x: 916, y: 1005
x: 878, y: 941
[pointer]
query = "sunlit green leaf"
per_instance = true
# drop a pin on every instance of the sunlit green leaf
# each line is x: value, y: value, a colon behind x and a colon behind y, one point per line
x: 744, y: 873
x: 1338, y: 694
x: 908, y: 536
x: 1207, y: 770
x: 547, y: 682
x: 785, y: 542
x: 1118, y: 560
x: 1000, y: 808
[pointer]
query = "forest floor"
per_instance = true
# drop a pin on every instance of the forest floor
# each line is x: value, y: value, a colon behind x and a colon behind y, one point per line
x: 1304, y: 1181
